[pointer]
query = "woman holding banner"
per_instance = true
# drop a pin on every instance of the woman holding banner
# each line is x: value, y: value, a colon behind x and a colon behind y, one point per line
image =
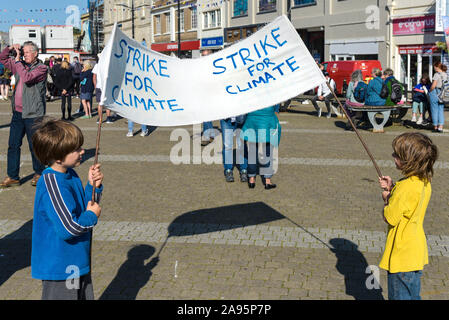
x: 261, y: 130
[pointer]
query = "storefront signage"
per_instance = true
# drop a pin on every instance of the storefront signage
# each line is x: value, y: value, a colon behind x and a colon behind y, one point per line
x: 414, y: 25
x: 173, y: 46
x: 212, y: 42
x: 418, y: 49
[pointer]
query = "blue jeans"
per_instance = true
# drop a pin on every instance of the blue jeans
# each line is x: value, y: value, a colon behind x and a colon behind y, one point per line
x: 208, y: 130
x: 227, y: 135
x: 131, y: 126
x: 436, y: 108
x: 264, y: 163
x: 404, y: 285
x: 19, y: 127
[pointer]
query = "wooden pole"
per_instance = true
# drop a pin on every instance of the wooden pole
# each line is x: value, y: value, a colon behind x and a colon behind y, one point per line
x: 97, y: 146
x: 379, y: 174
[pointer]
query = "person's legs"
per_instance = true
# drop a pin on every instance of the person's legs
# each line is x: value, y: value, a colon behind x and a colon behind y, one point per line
x: 16, y: 134
x: 63, y: 102
x: 434, y: 107
x: 227, y: 137
x: 252, y: 161
x: 69, y: 107
x: 130, y: 128
x: 30, y: 129
x: 327, y: 100
x: 440, y: 116
x: 404, y: 285
x: 315, y: 105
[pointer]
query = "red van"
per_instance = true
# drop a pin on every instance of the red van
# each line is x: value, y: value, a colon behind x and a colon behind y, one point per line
x: 341, y: 71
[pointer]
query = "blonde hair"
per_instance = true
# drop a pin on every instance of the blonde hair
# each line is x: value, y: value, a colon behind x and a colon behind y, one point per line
x: 87, y: 65
x: 65, y: 65
x: 417, y: 154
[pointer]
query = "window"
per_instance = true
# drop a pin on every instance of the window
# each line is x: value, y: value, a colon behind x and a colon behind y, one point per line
x: 32, y: 34
x: 167, y: 23
x: 194, y: 17
x: 212, y: 19
x: 240, y: 8
x: 267, y: 5
x: 181, y: 19
x: 304, y: 2
x: 157, y: 23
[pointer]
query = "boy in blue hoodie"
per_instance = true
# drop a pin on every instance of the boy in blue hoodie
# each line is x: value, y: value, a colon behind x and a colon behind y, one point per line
x: 64, y: 214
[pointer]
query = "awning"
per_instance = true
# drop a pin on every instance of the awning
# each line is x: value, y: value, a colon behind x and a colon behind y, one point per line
x: 173, y: 46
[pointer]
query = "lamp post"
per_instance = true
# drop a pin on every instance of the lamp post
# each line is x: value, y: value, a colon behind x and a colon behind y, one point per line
x: 179, y: 28
x: 133, y: 9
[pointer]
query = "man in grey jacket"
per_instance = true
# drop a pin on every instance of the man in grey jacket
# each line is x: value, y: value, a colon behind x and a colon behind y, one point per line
x: 28, y: 105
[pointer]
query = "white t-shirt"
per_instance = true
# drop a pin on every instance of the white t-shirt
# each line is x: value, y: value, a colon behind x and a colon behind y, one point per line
x: 96, y: 71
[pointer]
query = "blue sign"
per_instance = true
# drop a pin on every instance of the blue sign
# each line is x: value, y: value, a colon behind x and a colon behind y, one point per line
x: 212, y: 42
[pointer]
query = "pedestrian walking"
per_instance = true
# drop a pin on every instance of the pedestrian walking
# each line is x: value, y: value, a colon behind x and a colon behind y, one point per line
x: 64, y: 82
x: 87, y: 88
x: 77, y: 67
x: 262, y: 132
x: 64, y: 214
x: 28, y: 104
x: 405, y: 205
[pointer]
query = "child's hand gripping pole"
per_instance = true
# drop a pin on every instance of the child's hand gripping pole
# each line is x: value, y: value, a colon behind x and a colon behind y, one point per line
x: 379, y: 174
x: 100, y: 111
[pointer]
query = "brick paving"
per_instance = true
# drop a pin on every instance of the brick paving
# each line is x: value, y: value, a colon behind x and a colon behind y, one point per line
x: 181, y: 232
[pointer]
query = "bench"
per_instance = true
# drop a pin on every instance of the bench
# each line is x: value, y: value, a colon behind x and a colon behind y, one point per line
x: 303, y: 97
x: 372, y: 111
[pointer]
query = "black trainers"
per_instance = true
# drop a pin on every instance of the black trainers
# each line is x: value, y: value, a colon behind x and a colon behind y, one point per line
x: 229, y: 176
x: 243, y: 176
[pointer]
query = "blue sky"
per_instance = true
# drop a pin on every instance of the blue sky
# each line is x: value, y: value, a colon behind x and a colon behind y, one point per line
x: 40, y: 12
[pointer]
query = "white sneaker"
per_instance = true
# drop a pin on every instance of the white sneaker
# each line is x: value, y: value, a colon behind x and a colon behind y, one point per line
x: 319, y: 113
x: 414, y: 119
x: 129, y: 134
x: 329, y: 115
x: 419, y: 121
x: 144, y: 133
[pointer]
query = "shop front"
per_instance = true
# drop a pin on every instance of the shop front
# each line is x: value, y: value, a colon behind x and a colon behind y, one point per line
x: 171, y: 48
x: 416, y: 60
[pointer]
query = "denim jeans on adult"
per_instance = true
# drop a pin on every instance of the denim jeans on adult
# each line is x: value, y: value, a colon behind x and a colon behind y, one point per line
x: 208, y: 130
x: 131, y: 126
x: 262, y: 162
x: 437, y: 108
x: 17, y: 130
x: 227, y: 134
x: 404, y: 285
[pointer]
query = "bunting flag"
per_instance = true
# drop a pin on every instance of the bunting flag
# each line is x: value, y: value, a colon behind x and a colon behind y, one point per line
x: 147, y: 87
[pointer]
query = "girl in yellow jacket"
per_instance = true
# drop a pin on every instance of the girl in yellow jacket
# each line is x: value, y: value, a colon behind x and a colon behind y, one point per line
x: 405, y: 207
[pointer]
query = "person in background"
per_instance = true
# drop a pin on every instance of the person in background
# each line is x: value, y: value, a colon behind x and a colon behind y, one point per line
x: 436, y: 106
x: 374, y: 88
x: 77, y: 67
x: 28, y: 106
x: 356, y: 77
x: 5, y: 81
x: 324, y: 94
x: 261, y: 130
x: 64, y: 82
x: 87, y: 88
x: 420, y: 98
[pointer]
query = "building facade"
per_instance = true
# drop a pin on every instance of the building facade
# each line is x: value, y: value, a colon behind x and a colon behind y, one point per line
x: 133, y: 17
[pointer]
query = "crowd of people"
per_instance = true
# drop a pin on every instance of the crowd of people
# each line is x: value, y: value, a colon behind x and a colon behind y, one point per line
x: 385, y: 90
x: 64, y: 212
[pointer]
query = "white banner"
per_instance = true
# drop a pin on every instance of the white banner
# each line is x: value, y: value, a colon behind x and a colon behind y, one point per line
x: 147, y: 87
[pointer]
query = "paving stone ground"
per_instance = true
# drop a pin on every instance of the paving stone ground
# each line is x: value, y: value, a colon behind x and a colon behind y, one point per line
x: 179, y: 231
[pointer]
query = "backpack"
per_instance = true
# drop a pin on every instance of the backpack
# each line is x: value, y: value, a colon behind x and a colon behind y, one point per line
x: 77, y: 68
x: 397, y: 91
x: 360, y: 91
x: 443, y: 96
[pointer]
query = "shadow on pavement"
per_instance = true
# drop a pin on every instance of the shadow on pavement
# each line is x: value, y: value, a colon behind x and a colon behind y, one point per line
x: 133, y: 274
x: 15, y: 251
x: 353, y: 266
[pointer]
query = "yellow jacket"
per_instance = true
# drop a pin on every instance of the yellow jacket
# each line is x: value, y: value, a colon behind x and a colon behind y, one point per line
x: 406, y: 245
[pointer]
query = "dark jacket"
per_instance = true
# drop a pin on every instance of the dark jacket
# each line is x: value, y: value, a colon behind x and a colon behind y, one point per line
x: 64, y: 80
x: 86, y: 81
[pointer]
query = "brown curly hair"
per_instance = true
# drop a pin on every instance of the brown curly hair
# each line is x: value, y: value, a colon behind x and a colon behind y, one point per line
x: 417, y: 154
